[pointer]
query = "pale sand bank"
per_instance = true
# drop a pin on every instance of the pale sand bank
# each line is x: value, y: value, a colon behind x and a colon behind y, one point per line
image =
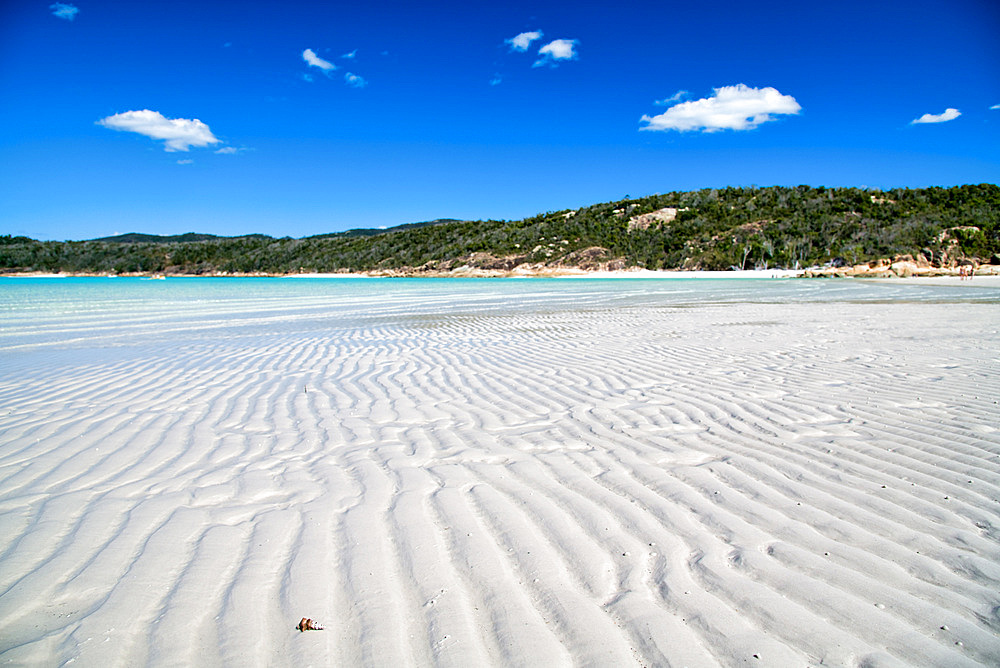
x: 743, y: 484
x: 648, y: 273
x: 990, y: 281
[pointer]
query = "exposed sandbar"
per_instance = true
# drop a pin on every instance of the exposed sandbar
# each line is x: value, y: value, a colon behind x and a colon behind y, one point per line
x: 685, y: 483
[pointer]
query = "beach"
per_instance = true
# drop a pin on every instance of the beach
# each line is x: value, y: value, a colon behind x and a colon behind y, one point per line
x: 534, y: 472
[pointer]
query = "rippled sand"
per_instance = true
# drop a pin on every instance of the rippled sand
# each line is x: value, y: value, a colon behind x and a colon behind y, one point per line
x: 694, y: 484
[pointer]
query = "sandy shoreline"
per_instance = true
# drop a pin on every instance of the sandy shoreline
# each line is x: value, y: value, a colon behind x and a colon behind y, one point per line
x: 676, y: 483
x: 987, y: 277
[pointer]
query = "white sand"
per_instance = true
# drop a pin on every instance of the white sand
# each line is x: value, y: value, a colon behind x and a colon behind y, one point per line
x: 741, y: 484
x: 648, y: 273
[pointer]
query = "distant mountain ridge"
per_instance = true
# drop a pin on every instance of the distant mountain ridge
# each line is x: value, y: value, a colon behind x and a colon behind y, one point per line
x: 140, y: 238
x: 372, y: 231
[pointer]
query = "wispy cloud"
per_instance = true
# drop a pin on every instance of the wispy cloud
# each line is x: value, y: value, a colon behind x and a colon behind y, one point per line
x: 948, y: 115
x: 186, y: 161
x: 354, y: 80
x: 738, y: 107
x: 351, y: 79
x: 178, y: 134
x: 315, y: 61
x: 523, y: 41
x: 555, y: 51
x: 496, y: 80
x: 64, y: 11
x: 676, y: 97
x: 995, y: 107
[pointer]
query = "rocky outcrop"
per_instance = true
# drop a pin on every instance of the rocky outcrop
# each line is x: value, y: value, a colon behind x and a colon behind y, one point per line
x: 901, y: 266
x: 903, y: 269
x: 644, y: 221
x: 594, y: 258
x: 950, y: 254
x: 486, y: 265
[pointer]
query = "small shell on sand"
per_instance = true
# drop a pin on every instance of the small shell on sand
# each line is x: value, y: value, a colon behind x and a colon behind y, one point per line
x: 308, y: 625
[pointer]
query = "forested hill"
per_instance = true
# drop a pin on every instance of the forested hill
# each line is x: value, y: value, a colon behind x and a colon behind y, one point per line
x: 775, y: 227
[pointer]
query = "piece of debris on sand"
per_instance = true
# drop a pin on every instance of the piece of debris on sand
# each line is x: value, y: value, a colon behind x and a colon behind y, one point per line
x: 308, y: 625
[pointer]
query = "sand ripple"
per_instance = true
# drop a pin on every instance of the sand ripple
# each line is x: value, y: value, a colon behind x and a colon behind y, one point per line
x: 731, y: 484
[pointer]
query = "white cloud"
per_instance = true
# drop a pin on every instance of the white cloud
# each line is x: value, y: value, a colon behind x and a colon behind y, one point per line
x: 948, y: 115
x: 995, y: 106
x: 64, y: 11
x: 178, y: 134
x: 738, y: 107
x: 228, y: 150
x: 185, y: 162
x: 676, y: 97
x: 556, y: 50
x: 315, y: 61
x: 351, y: 55
x: 496, y: 80
x: 523, y: 41
x: 354, y: 80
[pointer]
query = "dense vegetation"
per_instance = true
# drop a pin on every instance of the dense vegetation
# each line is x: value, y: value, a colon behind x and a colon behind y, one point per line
x: 713, y: 229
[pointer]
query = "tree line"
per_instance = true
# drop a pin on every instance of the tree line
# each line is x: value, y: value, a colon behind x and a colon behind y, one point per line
x: 725, y: 228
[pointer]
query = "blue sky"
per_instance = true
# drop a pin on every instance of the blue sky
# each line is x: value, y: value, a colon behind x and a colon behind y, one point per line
x: 293, y: 119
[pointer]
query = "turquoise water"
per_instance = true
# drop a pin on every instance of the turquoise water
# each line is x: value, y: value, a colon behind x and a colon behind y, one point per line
x: 88, y: 294
x: 101, y: 311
